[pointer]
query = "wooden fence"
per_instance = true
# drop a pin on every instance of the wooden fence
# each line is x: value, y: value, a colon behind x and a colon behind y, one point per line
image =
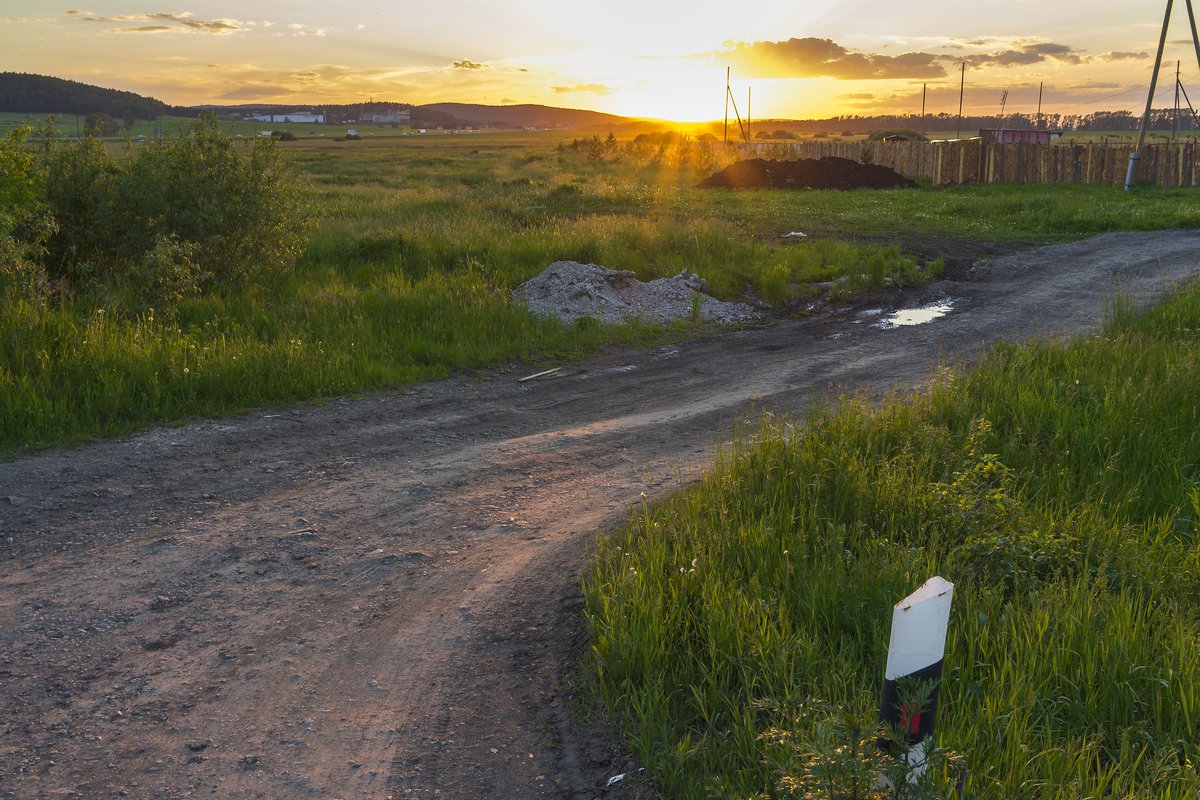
x: 972, y: 161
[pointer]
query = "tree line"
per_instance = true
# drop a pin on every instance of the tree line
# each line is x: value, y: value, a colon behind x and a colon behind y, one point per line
x: 40, y: 94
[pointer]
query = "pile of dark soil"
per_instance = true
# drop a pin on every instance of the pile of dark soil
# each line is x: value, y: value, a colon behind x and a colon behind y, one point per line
x: 807, y: 173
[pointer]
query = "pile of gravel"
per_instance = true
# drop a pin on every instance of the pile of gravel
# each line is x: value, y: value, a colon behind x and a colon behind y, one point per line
x: 569, y: 290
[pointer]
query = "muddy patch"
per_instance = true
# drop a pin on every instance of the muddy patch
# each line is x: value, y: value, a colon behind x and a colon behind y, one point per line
x: 807, y: 173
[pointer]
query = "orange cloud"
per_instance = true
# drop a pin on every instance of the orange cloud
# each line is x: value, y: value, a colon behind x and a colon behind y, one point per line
x: 824, y: 58
x: 586, y: 88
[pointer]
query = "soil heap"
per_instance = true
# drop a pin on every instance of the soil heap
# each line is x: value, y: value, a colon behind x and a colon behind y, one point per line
x: 569, y: 290
x: 830, y: 172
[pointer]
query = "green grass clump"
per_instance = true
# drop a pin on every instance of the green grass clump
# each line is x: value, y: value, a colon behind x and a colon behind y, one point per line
x: 1057, y: 484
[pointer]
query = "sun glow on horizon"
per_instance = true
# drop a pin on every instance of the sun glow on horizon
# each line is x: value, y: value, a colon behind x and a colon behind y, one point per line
x: 637, y: 60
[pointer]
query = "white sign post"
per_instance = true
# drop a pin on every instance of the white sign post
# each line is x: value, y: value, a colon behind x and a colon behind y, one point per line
x: 917, y: 646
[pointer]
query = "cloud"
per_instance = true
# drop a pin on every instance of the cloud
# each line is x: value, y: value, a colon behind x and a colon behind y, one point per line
x: 306, y: 30
x: 26, y: 20
x: 1025, y: 53
x: 180, y: 22
x: 824, y: 58
x: 255, y: 93
x: 587, y: 88
x: 467, y: 63
x: 1124, y: 55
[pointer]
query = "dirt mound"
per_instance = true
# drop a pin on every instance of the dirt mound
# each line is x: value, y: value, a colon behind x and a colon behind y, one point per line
x: 570, y: 290
x: 830, y: 172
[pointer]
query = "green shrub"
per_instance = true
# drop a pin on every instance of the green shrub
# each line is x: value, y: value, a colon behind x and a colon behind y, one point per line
x: 101, y: 124
x: 25, y: 224
x: 221, y: 208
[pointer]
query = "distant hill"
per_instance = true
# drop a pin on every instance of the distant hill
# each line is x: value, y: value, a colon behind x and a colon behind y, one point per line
x: 41, y: 94
x: 528, y: 116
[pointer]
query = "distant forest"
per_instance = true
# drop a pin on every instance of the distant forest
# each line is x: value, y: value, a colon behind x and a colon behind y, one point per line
x: 39, y: 94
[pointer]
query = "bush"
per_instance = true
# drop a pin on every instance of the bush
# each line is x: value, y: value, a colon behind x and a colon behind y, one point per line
x: 204, y: 201
x: 25, y: 224
x: 100, y: 124
x: 283, y: 136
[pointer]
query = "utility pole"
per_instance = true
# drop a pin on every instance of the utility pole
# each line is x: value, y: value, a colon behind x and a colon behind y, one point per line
x: 1038, y: 125
x: 1175, y: 119
x: 962, y: 85
x: 726, y: 136
x: 923, y: 109
x: 1153, y: 84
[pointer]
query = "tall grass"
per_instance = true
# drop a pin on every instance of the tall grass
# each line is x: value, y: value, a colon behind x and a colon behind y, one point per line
x: 1058, y: 485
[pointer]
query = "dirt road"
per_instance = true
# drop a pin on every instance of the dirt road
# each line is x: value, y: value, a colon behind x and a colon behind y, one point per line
x: 379, y: 597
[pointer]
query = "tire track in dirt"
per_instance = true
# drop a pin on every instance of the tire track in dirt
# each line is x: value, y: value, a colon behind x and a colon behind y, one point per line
x: 379, y: 597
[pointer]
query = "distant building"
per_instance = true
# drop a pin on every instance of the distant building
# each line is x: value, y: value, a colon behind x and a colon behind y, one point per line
x: 291, y: 116
x: 1007, y: 136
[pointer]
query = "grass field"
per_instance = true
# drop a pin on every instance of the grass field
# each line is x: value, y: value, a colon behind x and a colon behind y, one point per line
x: 416, y: 243
x: 739, y: 629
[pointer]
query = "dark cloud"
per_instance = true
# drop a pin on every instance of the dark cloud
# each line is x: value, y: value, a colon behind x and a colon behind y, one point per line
x: 467, y: 63
x: 211, y: 26
x: 143, y: 29
x: 589, y: 88
x: 825, y: 58
x: 1025, y: 54
x: 180, y: 21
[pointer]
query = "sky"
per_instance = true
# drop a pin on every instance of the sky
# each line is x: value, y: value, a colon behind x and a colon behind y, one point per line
x: 663, y: 60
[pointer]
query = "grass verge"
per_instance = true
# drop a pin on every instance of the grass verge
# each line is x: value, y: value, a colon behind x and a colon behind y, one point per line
x: 737, y: 626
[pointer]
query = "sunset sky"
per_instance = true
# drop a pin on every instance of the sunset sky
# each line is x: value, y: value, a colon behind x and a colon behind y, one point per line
x: 662, y: 60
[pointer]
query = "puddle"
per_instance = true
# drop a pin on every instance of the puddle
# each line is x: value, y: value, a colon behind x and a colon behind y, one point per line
x: 863, y: 316
x: 916, y: 316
